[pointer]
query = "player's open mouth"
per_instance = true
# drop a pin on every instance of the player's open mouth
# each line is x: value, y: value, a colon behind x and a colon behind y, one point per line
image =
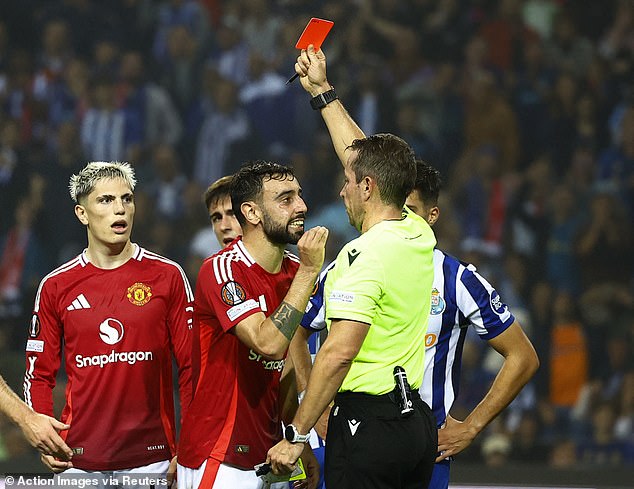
x: 226, y: 241
x: 297, y: 223
x: 119, y: 227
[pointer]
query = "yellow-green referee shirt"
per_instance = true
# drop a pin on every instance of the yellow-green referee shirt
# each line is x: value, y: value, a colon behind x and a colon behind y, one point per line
x: 384, y: 278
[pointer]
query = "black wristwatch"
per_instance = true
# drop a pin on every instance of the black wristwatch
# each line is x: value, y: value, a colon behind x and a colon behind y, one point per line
x: 323, y: 99
x: 291, y: 434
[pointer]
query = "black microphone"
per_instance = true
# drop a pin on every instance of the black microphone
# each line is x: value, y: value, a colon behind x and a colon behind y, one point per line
x: 263, y: 470
x: 402, y: 391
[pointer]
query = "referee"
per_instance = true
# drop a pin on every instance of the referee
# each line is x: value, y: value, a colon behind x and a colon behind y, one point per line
x: 374, y: 311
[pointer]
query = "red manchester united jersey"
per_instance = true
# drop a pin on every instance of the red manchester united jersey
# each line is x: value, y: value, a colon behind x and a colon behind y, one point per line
x: 119, y: 329
x: 235, y: 414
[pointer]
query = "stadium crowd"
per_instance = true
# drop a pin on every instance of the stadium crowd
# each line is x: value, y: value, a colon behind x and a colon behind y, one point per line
x: 525, y: 106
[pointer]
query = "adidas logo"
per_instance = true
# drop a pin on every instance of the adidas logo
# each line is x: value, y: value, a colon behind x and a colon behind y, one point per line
x: 79, y: 303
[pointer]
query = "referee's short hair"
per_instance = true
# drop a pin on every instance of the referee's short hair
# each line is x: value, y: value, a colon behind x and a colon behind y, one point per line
x: 390, y: 161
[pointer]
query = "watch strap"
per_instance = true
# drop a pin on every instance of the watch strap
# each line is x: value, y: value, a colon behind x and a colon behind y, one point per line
x: 323, y: 99
x: 297, y: 437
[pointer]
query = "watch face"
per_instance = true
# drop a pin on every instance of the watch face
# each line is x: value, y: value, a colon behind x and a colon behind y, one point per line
x: 289, y: 433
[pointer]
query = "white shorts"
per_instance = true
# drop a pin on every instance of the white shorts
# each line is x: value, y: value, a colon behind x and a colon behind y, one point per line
x: 136, y: 478
x: 216, y: 475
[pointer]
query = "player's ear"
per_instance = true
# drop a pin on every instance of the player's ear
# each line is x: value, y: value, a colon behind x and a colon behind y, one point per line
x: 80, y: 212
x: 434, y: 214
x: 251, y: 212
x: 368, y: 186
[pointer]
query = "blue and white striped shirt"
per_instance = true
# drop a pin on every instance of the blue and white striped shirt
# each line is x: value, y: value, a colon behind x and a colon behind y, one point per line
x: 461, y: 297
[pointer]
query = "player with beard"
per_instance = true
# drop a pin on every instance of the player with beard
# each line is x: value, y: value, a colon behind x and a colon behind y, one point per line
x: 249, y: 300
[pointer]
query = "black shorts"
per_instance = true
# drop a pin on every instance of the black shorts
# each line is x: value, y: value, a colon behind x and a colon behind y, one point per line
x: 371, y: 446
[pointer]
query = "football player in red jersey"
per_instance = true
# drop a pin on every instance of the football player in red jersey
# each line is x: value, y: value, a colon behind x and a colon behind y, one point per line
x: 250, y: 298
x: 118, y: 313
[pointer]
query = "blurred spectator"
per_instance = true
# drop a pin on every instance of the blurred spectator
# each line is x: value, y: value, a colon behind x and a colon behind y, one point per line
x: 605, y: 233
x: 69, y: 97
x: 372, y: 104
x: 496, y: 449
x: 482, y: 201
x: 616, y: 163
x: 530, y: 90
x: 603, y: 448
x: 563, y: 454
x: 181, y: 68
x: 564, y: 226
x: 22, y: 260
x: 539, y: 15
x: 65, y: 234
x: 569, y: 361
x: 224, y: 127
x: 268, y: 107
x: 527, y: 219
x: 56, y: 52
x: 505, y: 34
x: 148, y: 101
x: 489, y: 120
x: 527, y: 443
x: 14, y: 174
x: 567, y: 49
x: 260, y: 27
x: 187, y: 14
x: 168, y: 184
x: 106, y: 57
x: 231, y: 57
x: 109, y: 133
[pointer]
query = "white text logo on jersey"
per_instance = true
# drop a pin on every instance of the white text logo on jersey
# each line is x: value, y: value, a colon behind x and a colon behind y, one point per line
x: 111, y: 332
x: 266, y: 363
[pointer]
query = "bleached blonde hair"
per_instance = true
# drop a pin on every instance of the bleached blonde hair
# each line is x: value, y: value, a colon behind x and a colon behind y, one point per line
x: 85, y: 181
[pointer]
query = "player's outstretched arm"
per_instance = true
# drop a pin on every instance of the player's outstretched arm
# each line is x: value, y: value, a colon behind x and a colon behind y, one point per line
x: 311, y: 67
x: 39, y: 430
x: 520, y: 364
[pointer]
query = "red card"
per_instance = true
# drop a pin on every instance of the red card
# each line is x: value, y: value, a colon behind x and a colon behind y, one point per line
x: 314, y: 33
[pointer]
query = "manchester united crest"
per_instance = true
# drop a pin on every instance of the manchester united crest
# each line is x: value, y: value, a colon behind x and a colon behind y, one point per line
x: 139, y: 294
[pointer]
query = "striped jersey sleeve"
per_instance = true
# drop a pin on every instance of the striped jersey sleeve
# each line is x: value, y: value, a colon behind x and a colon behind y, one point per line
x: 461, y: 297
x: 314, y: 318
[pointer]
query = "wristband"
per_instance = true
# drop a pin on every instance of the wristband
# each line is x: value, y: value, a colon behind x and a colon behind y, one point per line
x: 320, y: 101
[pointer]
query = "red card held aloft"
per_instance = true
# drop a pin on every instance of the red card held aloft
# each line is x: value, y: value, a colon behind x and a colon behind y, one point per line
x: 314, y: 33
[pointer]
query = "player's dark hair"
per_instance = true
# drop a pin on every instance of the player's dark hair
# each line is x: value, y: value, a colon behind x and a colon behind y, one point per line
x: 217, y: 190
x: 428, y: 183
x: 247, y: 183
x: 390, y: 161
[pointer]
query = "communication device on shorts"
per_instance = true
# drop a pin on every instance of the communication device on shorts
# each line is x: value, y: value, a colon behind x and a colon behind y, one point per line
x: 314, y: 33
x: 402, y: 392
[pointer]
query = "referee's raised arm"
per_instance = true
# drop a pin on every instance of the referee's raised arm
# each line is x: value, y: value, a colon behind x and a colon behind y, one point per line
x: 311, y: 67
